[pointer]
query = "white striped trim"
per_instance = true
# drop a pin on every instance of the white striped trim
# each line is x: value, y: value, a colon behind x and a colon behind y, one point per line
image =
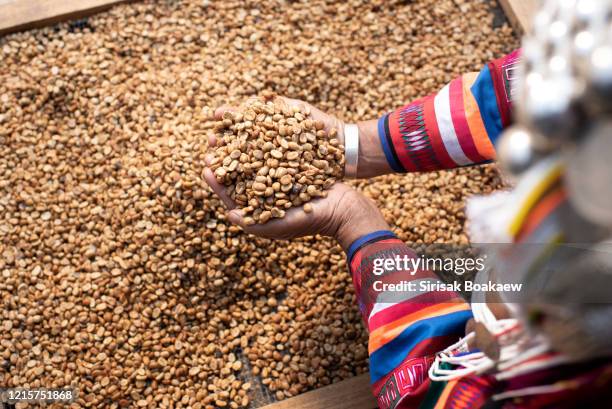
x: 442, y: 109
x: 381, y: 306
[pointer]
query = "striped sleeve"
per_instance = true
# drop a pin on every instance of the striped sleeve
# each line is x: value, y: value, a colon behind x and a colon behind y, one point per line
x: 408, y: 324
x: 458, y: 126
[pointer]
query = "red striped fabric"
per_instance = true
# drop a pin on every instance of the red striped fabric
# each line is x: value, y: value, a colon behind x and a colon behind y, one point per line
x: 409, y: 306
x: 501, y: 70
x: 431, y: 125
x: 356, y: 262
x: 426, y: 350
x: 462, y: 129
x: 398, y: 143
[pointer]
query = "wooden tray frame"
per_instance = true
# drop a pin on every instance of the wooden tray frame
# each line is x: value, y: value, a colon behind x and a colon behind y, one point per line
x: 18, y: 15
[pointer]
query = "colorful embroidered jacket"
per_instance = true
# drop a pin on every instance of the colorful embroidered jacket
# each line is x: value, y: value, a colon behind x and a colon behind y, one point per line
x: 458, y: 126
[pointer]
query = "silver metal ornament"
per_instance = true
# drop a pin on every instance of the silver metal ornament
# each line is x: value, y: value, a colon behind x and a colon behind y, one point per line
x: 515, y: 151
x: 599, y: 79
x: 589, y: 175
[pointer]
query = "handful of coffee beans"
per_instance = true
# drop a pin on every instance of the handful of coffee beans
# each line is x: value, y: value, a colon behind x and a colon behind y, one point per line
x: 272, y: 156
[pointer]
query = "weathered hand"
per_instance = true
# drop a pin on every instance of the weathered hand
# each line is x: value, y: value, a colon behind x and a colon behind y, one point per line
x: 344, y: 213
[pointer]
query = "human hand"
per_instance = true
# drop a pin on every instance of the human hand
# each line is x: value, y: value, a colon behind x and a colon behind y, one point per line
x: 484, y: 340
x: 372, y: 161
x: 342, y: 213
x: 330, y: 122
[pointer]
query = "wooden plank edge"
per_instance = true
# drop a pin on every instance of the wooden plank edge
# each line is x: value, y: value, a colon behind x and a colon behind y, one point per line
x: 25, y: 21
x: 353, y: 393
x: 520, y: 13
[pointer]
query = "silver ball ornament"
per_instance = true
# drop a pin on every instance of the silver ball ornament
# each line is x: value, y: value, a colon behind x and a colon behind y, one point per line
x: 516, y: 151
x: 589, y: 175
x: 599, y: 80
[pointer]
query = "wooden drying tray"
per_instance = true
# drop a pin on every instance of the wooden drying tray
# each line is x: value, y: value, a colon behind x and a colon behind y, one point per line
x: 17, y: 15
x: 520, y: 13
x: 352, y: 393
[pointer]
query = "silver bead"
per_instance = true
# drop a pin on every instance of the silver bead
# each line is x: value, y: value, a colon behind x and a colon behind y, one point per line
x: 547, y: 105
x: 515, y: 150
x: 584, y: 42
x: 599, y: 80
x: 589, y: 175
x: 586, y: 10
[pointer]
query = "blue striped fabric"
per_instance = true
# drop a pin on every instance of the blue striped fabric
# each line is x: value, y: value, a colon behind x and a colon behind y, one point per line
x: 484, y: 93
x: 384, y: 141
x: 376, y: 235
x: 392, y: 354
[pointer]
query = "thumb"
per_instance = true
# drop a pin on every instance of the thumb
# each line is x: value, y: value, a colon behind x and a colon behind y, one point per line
x: 223, y: 109
x: 235, y: 217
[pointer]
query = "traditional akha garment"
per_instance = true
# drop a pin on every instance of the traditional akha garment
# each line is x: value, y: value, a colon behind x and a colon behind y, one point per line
x: 458, y: 126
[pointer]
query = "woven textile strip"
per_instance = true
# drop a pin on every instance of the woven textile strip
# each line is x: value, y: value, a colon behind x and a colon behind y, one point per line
x: 455, y: 127
x: 416, y: 141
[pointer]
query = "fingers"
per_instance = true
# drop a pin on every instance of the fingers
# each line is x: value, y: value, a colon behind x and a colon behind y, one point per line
x: 329, y: 121
x: 291, y: 102
x: 218, y: 189
x: 497, y: 306
x: 296, y: 223
x: 235, y: 217
x: 208, y: 159
x: 222, y: 109
x: 212, y: 140
x: 470, y: 326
